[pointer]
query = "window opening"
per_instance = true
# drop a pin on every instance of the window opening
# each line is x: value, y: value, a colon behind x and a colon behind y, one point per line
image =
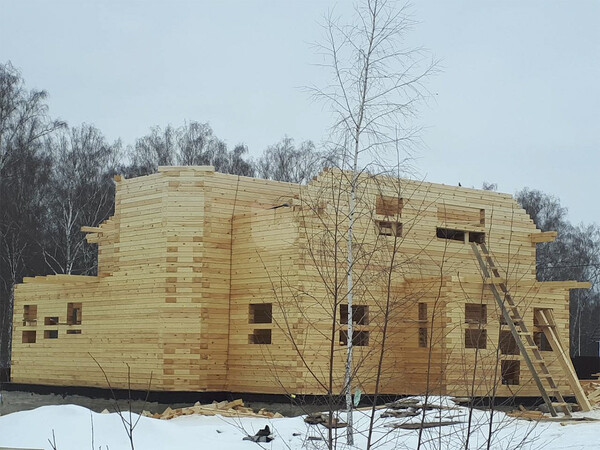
x: 477, y: 237
x: 73, y: 313
x: 541, y: 341
x: 29, y: 314
x: 423, y: 337
x: 508, y: 345
x: 450, y: 234
x: 53, y: 320
x: 475, y: 313
x: 261, y: 313
x: 28, y: 337
x: 475, y: 338
x: 73, y: 331
x: 422, y: 312
x: 510, y: 371
x: 359, y: 338
x: 389, y: 206
x: 360, y: 314
x: 260, y: 336
x: 387, y: 228
x: 50, y: 334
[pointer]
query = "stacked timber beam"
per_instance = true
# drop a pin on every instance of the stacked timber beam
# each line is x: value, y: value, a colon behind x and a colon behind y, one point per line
x: 234, y: 408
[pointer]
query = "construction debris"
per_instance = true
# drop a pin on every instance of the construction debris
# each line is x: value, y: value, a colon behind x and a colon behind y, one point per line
x: 410, y: 407
x: 415, y: 404
x: 316, y: 418
x: 323, y: 419
x: 418, y: 425
x: 592, y: 390
x: 525, y: 414
x: 540, y: 416
x: 461, y: 400
x: 235, y: 408
x: 410, y: 412
x: 403, y: 403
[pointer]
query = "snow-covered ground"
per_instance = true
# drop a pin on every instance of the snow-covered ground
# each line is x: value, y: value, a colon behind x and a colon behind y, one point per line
x: 73, y: 425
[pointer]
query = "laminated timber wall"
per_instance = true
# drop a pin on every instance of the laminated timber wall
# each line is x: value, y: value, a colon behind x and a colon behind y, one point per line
x: 160, y: 301
x: 461, y: 378
x: 264, y: 271
x: 422, y: 254
x: 119, y: 317
x: 190, y: 255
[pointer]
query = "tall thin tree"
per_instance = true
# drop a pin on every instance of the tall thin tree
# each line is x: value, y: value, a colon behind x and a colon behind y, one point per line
x: 377, y: 84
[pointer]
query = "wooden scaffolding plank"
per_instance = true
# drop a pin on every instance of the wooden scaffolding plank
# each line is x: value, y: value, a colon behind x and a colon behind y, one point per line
x: 544, y: 236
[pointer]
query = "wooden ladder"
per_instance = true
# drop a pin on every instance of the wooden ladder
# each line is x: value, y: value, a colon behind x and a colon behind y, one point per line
x: 526, y: 343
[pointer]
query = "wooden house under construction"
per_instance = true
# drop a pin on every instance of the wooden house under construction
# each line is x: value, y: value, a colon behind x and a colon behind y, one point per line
x: 214, y: 282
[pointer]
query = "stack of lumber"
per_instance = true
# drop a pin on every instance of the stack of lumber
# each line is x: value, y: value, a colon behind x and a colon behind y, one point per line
x: 539, y: 416
x: 235, y: 408
x: 526, y: 414
x: 592, y: 390
x: 595, y: 396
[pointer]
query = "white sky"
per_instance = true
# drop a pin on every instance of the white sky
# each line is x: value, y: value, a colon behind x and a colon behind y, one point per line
x: 517, y: 103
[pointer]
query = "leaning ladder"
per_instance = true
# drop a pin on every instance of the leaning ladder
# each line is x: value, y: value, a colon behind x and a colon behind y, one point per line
x: 524, y: 339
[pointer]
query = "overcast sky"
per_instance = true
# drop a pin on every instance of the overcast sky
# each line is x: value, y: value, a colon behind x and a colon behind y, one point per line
x: 517, y: 102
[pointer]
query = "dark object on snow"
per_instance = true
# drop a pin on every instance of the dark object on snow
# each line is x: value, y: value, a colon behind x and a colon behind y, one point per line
x: 264, y: 432
x: 263, y: 435
x: 258, y: 438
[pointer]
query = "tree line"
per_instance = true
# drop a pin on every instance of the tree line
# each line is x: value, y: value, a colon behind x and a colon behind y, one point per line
x: 56, y: 177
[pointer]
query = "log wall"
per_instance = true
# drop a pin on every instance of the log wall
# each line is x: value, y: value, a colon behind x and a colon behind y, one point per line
x: 224, y: 283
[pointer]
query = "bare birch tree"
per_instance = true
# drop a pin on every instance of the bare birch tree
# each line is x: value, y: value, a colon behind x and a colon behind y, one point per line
x: 377, y: 85
x: 286, y: 161
x: 192, y: 144
x: 82, y: 195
